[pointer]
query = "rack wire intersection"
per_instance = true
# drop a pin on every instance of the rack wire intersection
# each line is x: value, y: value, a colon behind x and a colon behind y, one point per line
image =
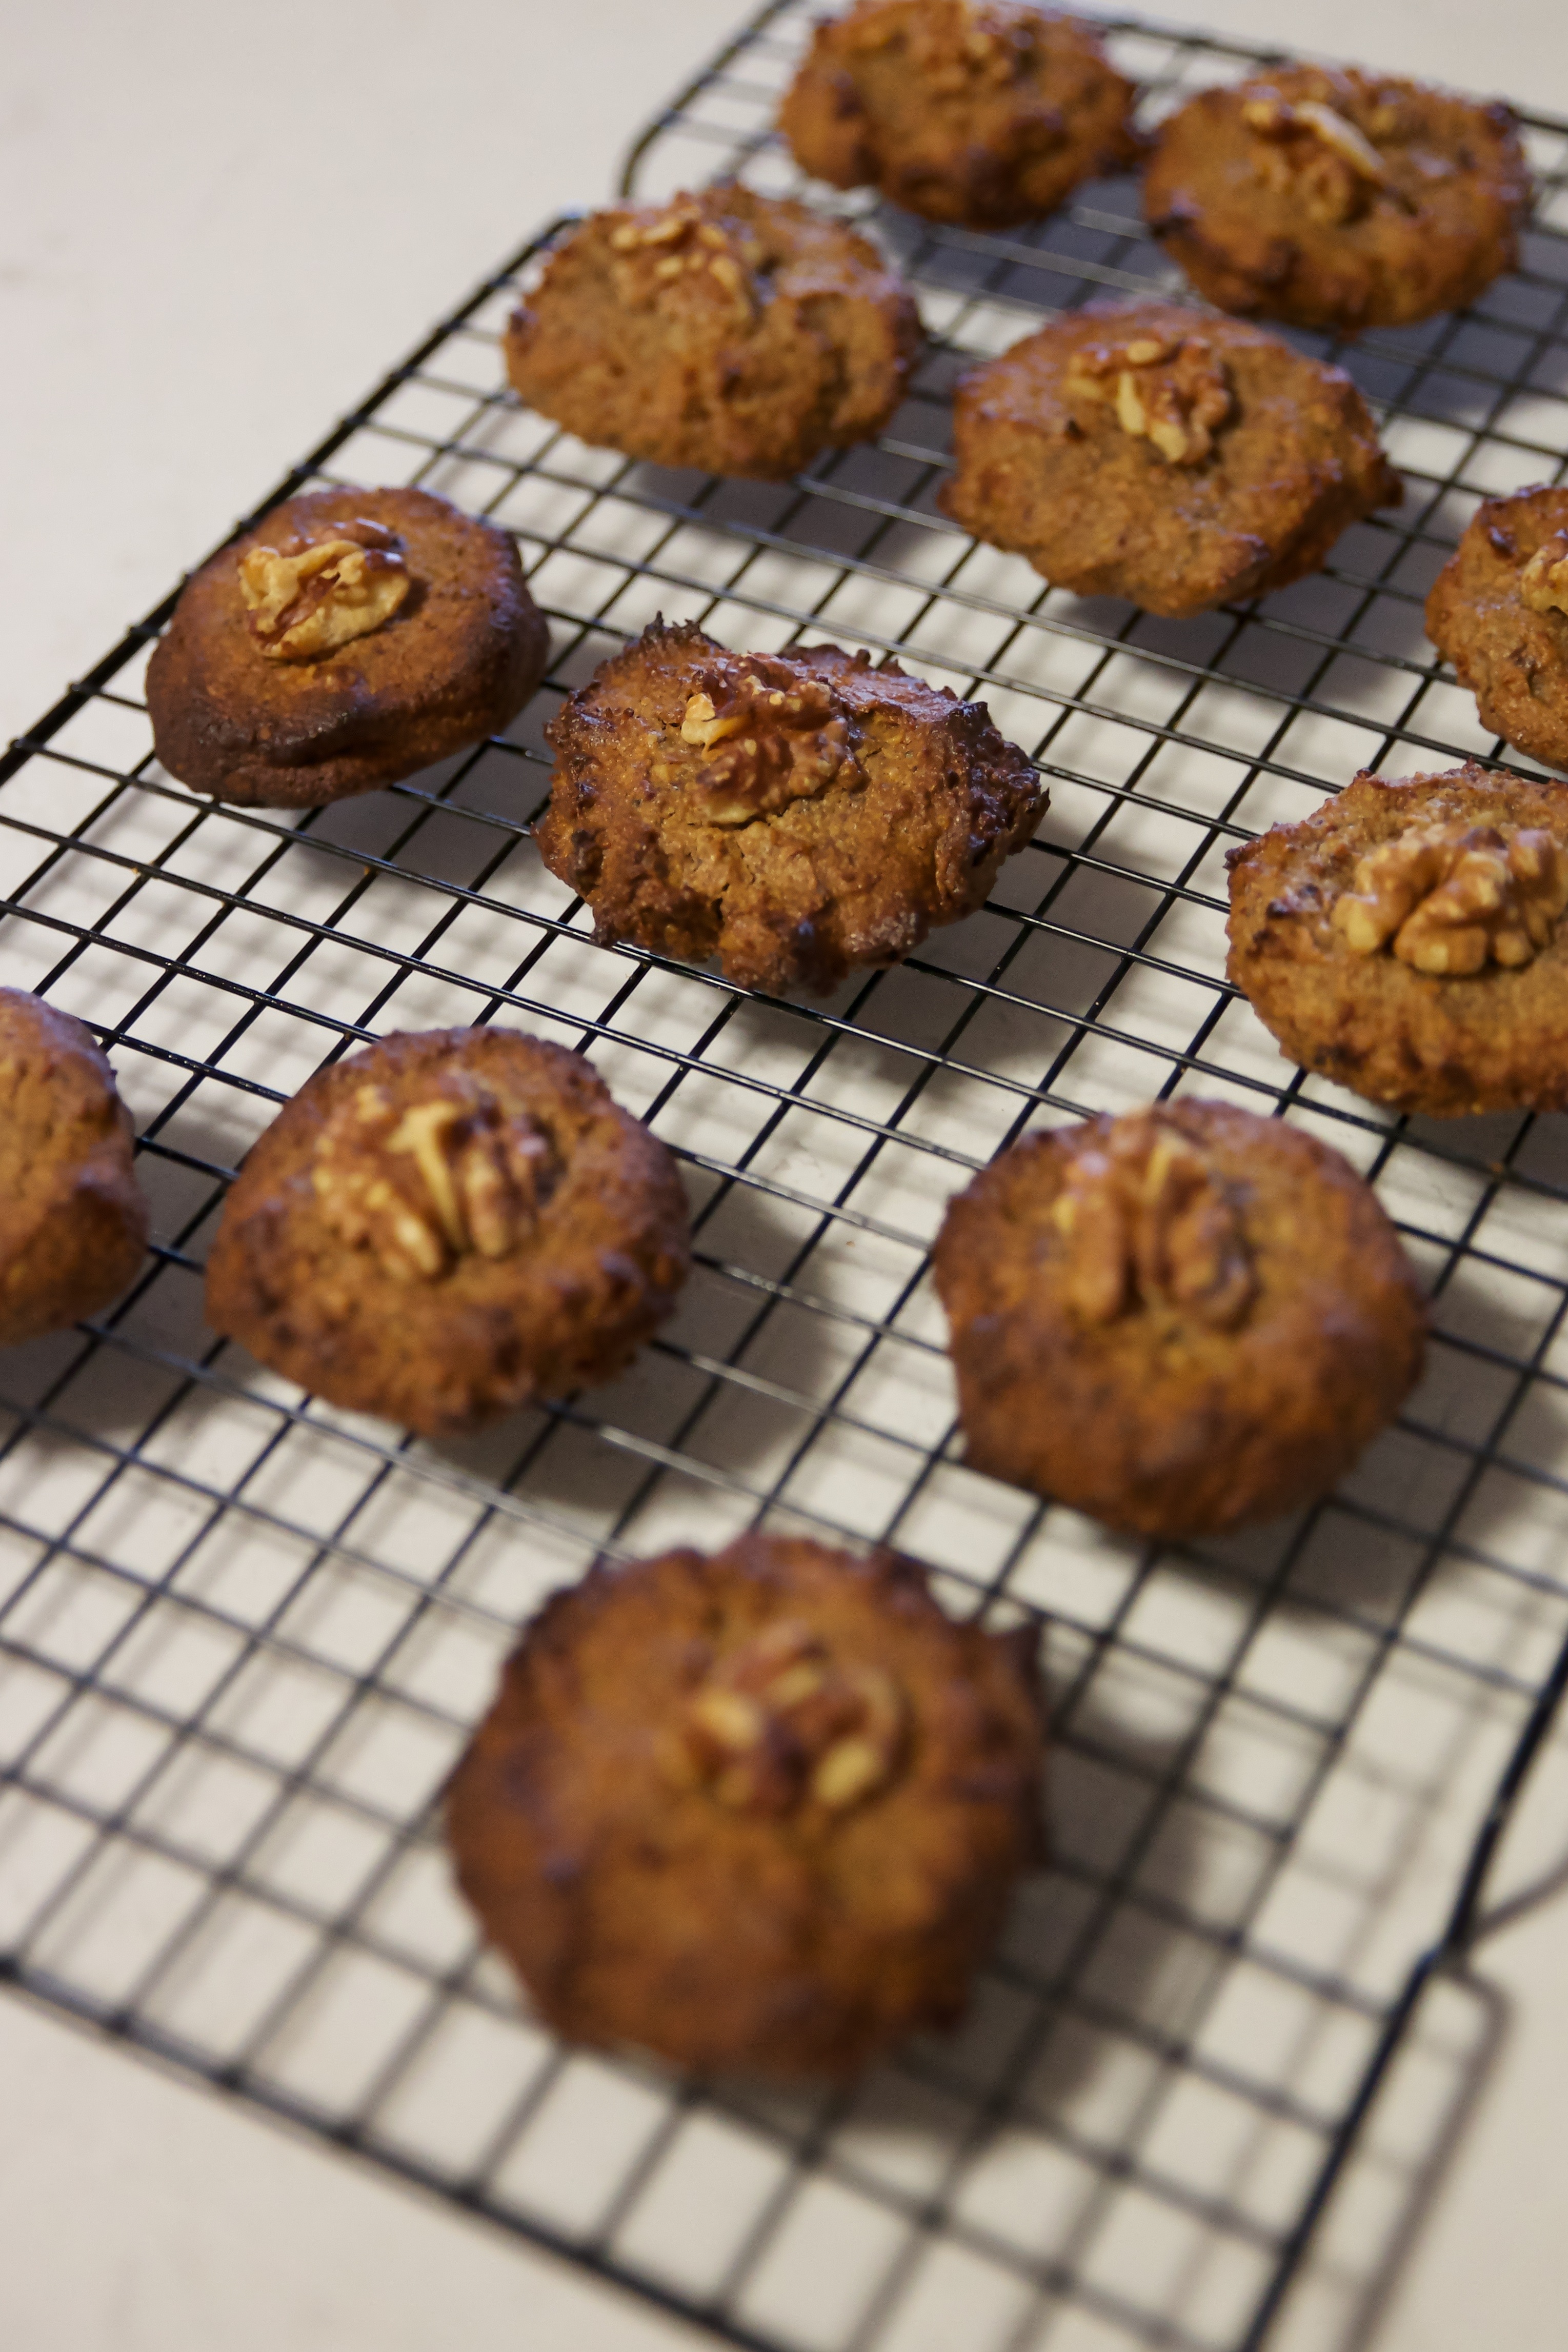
x: 243, y: 1636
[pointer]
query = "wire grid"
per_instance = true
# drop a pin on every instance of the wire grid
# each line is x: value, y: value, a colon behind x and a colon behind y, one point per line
x: 243, y: 1635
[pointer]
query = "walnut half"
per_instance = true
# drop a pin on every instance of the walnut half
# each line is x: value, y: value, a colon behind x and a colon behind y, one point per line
x: 1543, y: 583
x: 424, y: 1184
x: 1169, y: 389
x: 1148, y: 1223
x: 776, y: 737
x: 777, y: 1724
x: 1450, y: 898
x: 1318, y: 155
x: 309, y: 599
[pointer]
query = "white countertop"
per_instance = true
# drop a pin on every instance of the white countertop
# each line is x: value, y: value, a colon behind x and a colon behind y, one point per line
x: 217, y: 226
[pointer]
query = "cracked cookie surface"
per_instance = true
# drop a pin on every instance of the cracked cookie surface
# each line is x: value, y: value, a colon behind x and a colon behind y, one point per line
x: 1332, y: 198
x: 728, y: 331
x: 797, y: 816
x: 1407, y: 940
x: 757, y: 1809
x: 1149, y: 451
x: 1179, y: 1320
x: 1498, y: 611
x: 73, y: 1222
x: 983, y: 112
x: 447, y: 1225
x: 350, y: 639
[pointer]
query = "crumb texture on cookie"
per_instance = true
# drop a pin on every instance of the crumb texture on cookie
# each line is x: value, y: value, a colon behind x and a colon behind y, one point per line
x: 1407, y: 940
x: 348, y: 639
x: 986, y: 113
x: 728, y: 331
x: 797, y: 816
x: 73, y: 1221
x: 1179, y: 1321
x: 1331, y: 197
x: 759, y: 1810
x: 1142, y: 450
x: 1498, y: 611
x: 447, y: 1225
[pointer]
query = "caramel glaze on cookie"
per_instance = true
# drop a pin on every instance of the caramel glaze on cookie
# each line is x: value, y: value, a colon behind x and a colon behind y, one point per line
x: 795, y: 815
x: 1407, y: 940
x: 1148, y: 451
x: 351, y: 638
x: 757, y: 1810
x: 1177, y: 1321
x: 445, y: 1226
x: 983, y: 113
x: 739, y: 333
x: 73, y: 1223
x: 1335, y: 198
x: 1498, y: 611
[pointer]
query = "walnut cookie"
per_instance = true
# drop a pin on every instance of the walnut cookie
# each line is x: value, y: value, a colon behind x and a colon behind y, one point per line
x: 760, y: 1810
x: 445, y: 1226
x: 1335, y: 198
x: 1178, y: 1321
x: 795, y: 815
x: 983, y: 112
x: 1407, y: 939
x: 73, y: 1223
x: 739, y: 334
x: 1144, y: 450
x: 348, y: 639
x: 1498, y: 611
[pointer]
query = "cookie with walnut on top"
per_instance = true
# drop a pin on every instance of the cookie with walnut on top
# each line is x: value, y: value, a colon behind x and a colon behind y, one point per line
x: 1332, y: 198
x: 1498, y: 611
x: 1146, y: 451
x: 348, y: 639
x: 728, y: 331
x: 446, y: 1225
x: 1407, y: 940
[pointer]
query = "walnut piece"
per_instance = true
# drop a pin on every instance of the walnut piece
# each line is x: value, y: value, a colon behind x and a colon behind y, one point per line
x: 1327, y: 163
x: 423, y: 1185
x: 308, y: 598
x: 1543, y: 583
x: 1149, y: 1223
x: 1450, y: 898
x: 1170, y: 389
x: 955, y: 48
x: 679, y: 247
x: 776, y: 737
x: 777, y: 1726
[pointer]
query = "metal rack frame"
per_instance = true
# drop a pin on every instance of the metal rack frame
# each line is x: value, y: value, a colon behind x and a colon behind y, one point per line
x: 213, y: 1606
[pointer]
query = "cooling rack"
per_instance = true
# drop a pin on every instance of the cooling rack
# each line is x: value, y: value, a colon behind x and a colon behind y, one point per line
x: 243, y: 1635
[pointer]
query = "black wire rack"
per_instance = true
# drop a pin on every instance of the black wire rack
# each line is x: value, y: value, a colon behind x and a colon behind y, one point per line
x: 243, y: 1635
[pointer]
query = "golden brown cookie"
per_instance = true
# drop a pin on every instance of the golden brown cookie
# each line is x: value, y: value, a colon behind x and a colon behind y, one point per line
x: 73, y: 1223
x: 758, y: 1811
x: 794, y: 814
x: 1407, y: 940
x: 1498, y: 611
x: 348, y: 639
x: 983, y: 113
x: 739, y: 333
x: 1147, y: 451
x: 1332, y: 198
x: 445, y: 1226
x: 1178, y: 1320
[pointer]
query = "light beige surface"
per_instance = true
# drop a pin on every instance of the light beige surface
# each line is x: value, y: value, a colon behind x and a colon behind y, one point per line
x: 191, y: 199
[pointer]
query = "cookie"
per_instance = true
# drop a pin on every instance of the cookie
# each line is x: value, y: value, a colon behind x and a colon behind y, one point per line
x: 1178, y: 1320
x: 351, y: 638
x: 445, y: 1226
x: 73, y: 1223
x: 1145, y: 451
x: 1498, y: 611
x: 758, y: 1811
x: 739, y: 334
x: 797, y: 816
x: 1407, y: 940
x: 1335, y: 198
x: 983, y: 112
